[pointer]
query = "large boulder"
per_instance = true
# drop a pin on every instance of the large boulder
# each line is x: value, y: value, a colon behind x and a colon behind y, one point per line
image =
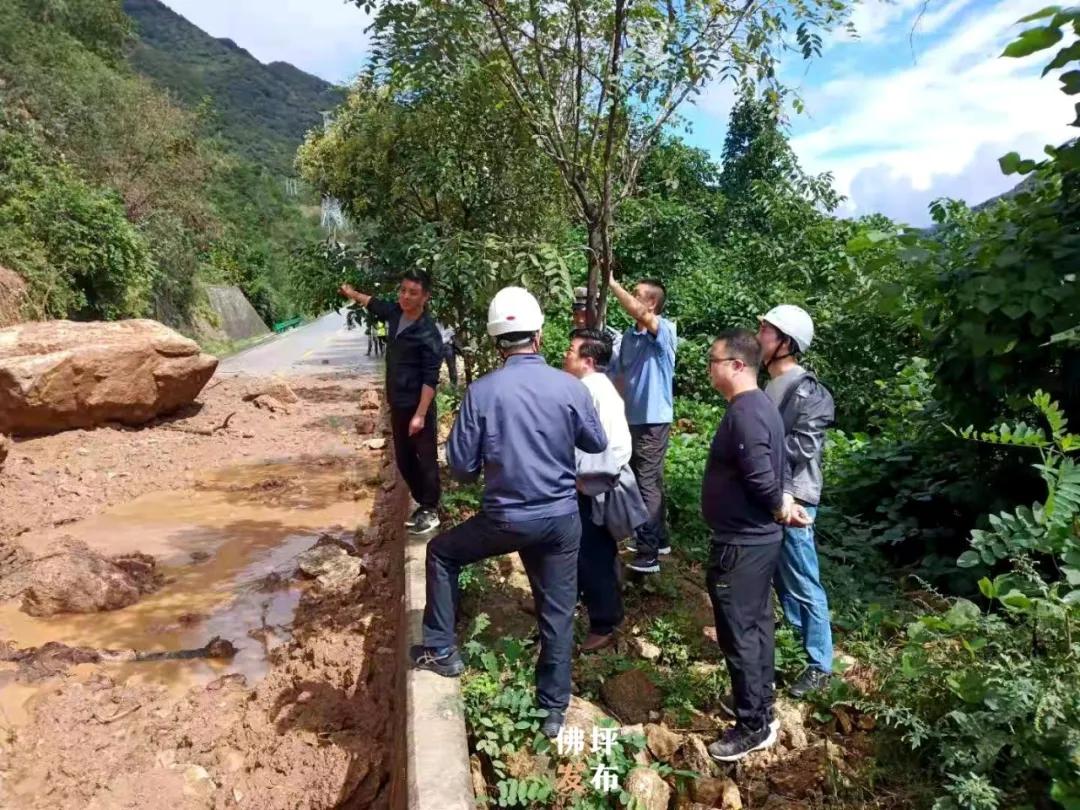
x: 57, y: 375
x: 70, y: 578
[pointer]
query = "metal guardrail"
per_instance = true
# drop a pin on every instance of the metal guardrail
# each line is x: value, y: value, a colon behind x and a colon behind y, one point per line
x: 289, y: 324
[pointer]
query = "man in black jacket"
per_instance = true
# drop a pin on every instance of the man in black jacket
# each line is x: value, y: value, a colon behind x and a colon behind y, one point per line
x: 413, y: 357
x: 743, y: 504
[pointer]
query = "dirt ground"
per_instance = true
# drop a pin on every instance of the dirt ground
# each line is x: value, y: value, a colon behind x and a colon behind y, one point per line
x: 314, y: 729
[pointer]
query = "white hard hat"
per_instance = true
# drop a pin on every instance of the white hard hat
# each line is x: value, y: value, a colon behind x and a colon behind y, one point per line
x: 793, y: 321
x: 513, y: 309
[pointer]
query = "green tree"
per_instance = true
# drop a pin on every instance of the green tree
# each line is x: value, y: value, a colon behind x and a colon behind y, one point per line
x: 596, y: 82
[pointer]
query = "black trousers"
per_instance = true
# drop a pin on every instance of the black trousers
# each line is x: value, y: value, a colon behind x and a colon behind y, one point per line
x: 548, y: 548
x: 740, y: 586
x: 450, y: 356
x: 417, y: 456
x: 598, y: 573
x: 649, y: 447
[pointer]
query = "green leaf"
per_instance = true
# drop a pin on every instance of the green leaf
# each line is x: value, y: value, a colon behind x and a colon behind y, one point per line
x: 986, y: 587
x: 1032, y: 40
x: 969, y: 559
x: 1009, y: 163
x: 1049, y: 11
x: 963, y: 613
x: 1016, y: 600
x: 1070, y: 82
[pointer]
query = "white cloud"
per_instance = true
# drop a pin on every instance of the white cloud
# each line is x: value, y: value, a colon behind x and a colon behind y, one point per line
x: 924, y: 126
x: 324, y: 37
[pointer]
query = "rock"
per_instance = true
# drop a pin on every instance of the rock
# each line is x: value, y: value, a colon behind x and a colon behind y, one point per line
x: 275, y: 389
x: 319, y: 560
x: 479, y: 784
x: 730, y: 799
x: 197, y: 781
x: 584, y: 715
x: 792, y: 725
x: 57, y: 375
x: 644, y: 649
x: 375, y: 444
x: 332, y: 540
x: 648, y: 788
x: 802, y: 775
x: 73, y: 579
x: 268, y: 403
x: 843, y: 719
x: 631, y: 695
x: 231, y: 760
x: 720, y: 792
x: 662, y: 742
x: 343, y: 572
x: 366, y: 424
x: 694, y: 720
x: 370, y: 400
x: 5, y: 445
x: 694, y: 756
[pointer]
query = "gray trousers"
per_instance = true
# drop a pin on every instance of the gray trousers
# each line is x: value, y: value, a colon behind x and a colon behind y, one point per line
x: 650, y: 443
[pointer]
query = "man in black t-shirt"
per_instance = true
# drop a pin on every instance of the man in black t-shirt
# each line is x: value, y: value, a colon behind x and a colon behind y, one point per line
x: 742, y: 501
x: 413, y: 357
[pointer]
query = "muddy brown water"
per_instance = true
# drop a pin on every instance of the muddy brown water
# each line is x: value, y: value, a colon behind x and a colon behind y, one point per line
x: 216, y: 543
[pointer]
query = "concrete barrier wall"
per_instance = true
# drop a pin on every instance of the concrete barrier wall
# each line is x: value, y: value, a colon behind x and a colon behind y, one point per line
x: 236, y: 316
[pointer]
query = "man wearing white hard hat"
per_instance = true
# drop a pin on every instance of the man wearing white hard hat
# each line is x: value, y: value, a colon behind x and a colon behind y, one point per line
x: 519, y: 425
x: 807, y: 410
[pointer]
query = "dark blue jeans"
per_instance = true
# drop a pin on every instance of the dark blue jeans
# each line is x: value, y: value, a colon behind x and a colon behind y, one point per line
x: 548, y: 548
x: 598, y: 573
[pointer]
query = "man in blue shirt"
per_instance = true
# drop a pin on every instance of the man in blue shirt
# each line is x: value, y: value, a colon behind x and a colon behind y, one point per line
x: 519, y: 425
x: 645, y: 371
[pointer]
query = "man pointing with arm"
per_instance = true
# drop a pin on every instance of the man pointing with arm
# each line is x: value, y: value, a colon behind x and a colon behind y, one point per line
x: 413, y: 358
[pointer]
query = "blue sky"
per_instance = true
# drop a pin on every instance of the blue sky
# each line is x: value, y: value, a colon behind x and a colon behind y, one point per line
x: 919, y: 106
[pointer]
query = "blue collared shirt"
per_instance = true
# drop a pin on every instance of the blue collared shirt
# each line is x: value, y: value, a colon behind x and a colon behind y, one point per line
x: 646, y: 363
x: 520, y: 425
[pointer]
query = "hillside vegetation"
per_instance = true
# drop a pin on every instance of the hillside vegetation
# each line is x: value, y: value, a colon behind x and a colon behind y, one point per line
x: 261, y: 111
x: 115, y: 199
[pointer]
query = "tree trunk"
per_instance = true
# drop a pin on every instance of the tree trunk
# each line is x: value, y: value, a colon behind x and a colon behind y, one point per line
x: 600, y: 263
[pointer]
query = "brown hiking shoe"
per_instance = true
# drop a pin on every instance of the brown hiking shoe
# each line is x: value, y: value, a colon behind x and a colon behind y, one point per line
x: 595, y: 642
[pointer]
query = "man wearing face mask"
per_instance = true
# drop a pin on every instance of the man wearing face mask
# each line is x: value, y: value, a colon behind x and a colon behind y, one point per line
x: 414, y: 354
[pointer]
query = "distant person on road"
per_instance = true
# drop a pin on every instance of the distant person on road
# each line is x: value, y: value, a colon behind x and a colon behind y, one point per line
x: 743, y: 504
x: 645, y: 373
x: 413, y: 357
x: 380, y: 338
x: 518, y: 425
x: 807, y: 410
x: 608, y: 498
x: 449, y: 352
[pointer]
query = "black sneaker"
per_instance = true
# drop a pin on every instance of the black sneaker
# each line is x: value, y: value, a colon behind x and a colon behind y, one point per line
x: 739, y: 741
x: 410, y: 521
x: 552, y: 724
x: 645, y: 564
x: 448, y: 665
x: 811, y: 680
x: 427, y: 520
x: 632, y: 547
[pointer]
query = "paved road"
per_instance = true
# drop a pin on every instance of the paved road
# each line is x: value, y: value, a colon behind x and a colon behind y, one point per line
x: 323, y: 346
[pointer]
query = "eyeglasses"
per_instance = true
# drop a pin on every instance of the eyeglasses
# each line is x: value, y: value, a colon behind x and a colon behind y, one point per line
x: 724, y: 360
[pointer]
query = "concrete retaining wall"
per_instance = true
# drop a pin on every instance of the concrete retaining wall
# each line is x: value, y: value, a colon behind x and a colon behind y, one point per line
x: 430, y: 759
x: 237, y: 318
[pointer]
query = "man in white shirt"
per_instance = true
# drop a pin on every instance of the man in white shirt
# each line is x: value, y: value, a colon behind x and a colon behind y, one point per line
x: 611, y: 506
